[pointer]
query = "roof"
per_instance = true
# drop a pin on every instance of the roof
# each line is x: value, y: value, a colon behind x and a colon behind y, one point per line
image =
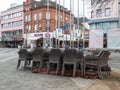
x: 37, y: 4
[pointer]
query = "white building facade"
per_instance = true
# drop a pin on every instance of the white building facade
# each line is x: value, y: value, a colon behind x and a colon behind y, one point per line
x: 105, y: 15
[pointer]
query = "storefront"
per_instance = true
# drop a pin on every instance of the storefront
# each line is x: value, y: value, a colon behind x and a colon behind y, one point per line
x: 44, y: 39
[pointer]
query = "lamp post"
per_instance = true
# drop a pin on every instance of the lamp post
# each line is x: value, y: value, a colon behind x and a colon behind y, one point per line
x: 83, y: 23
x: 78, y: 24
x: 26, y: 38
x: 3, y: 41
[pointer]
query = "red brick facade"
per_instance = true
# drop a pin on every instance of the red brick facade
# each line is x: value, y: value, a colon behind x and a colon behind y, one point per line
x: 31, y: 9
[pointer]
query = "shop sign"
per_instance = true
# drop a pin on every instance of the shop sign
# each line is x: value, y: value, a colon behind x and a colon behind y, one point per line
x: 38, y: 35
x: 17, y: 39
x: 47, y: 35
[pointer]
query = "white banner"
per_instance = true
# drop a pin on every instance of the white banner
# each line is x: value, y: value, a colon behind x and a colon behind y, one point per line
x: 96, y: 38
x: 114, y: 38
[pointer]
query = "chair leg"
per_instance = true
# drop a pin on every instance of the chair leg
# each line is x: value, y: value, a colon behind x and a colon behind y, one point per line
x: 84, y: 70
x: 48, y: 67
x: 57, y: 69
x: 99, y: 72
x: 19, y: 61
x: 25, y: 64
x: 32, y: 65
x: 107, y: 71
x: 63, y: 69
x: 40, y: 66
x: 74, y: 70
x: 29, y: 62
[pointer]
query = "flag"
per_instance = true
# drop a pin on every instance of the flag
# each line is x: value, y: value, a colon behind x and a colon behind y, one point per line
x: 59, y: 32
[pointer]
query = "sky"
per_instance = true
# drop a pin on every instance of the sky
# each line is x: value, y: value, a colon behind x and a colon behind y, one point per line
x: 74, y: 3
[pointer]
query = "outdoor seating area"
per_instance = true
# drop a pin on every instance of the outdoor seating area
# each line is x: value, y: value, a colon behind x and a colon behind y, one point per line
x: 87, y: 63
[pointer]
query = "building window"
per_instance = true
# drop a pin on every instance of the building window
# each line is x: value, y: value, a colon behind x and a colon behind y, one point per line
x: 28, y: 17
x: 35, y: 16
x: 106, y: 25
x: 91, y: 14
x: 27, y: 8
x: 40, y: 16
x: 99, y: 25
x: 29, y: 28
x: 107, y: 1
x: 61, y: 18
x: 107, y: 12
x: 99, y: 13
x: 48, y: 26
x: 47, y: 15
x: 98, y: 1
x: 35, y: 28
x: 92, y: 2
x: 66, y: 19
x: 26, y: 29
x: 93, y: 26
x: 40, y: 27
x: 114, y: 24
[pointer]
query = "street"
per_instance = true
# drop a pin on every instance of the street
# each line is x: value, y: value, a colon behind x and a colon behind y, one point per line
x: 115, y: 61
x: 12, y: 79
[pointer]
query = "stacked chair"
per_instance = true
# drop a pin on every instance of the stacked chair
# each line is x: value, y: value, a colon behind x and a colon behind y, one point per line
x: 97, y: 61
x: 39, y: 59
x: 71, y: 57
x: 24, y: 56
x: 54, y: 58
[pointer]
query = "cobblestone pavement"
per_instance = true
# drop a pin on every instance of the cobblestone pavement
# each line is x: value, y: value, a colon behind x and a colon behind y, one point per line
x: 12, y: 79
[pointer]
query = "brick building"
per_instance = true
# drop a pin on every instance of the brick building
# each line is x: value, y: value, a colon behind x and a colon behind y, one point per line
x: 40, y: 21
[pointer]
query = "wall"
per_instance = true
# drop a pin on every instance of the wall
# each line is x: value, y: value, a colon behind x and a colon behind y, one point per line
x: 114, y: 10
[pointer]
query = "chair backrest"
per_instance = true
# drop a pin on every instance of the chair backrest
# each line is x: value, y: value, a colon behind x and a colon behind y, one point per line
x: 101, y: 53
x: 104, y: 58
x: 69, y: 55
x: 37, y: 54
x: 55, y: 55
x: 55, y: 51
x: 70, y: 51
x: 96, y: 52
x: 79, y: 54
x: 23, y: 53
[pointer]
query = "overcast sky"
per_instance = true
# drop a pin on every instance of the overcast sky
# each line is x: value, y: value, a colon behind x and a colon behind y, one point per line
x: 5, y: 4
